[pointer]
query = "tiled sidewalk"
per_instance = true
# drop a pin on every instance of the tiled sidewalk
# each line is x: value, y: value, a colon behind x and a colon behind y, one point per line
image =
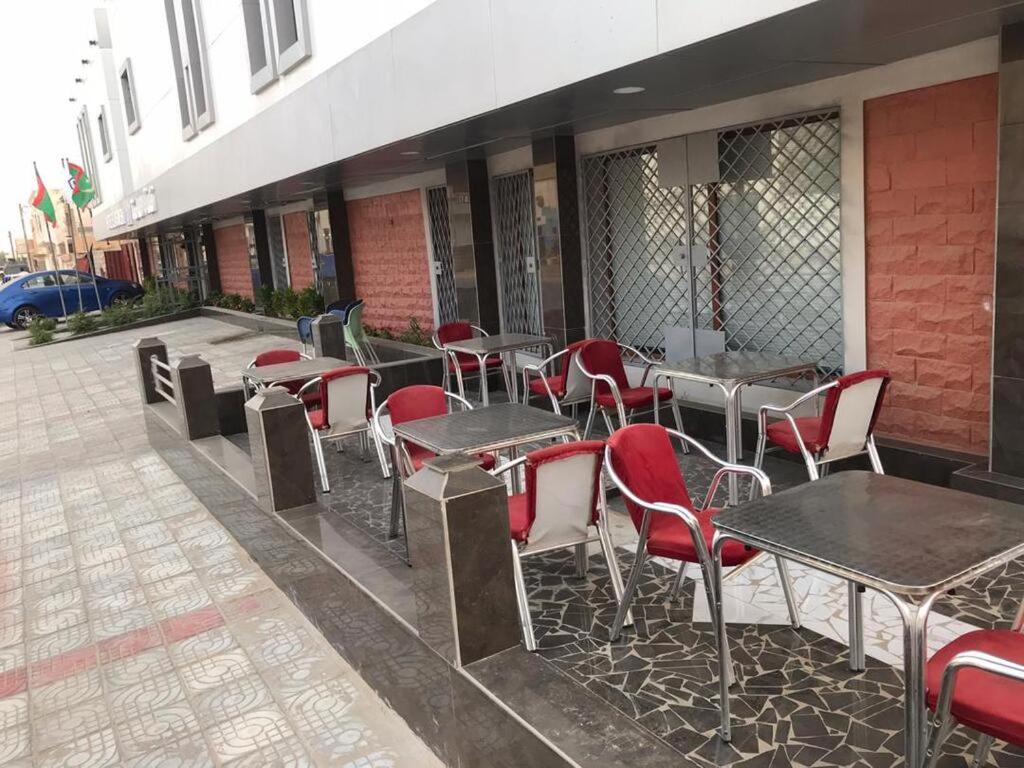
x: 134, y: 630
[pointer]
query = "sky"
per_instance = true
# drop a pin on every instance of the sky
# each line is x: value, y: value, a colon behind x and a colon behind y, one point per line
x: 41, y: 45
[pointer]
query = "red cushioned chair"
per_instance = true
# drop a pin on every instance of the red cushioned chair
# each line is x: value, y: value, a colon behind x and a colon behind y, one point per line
x: 978, y: 681
x: 563, y: 506
x: 845, y: 427
x: 276, y: 357
x: 418, y: 401
x: 463, y: 365
x: 569, y: 386
x: 345, y: 407
x: 600, y: 360
x: 641, y: 462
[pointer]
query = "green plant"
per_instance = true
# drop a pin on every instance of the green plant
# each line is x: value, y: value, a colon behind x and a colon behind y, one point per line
x: 311, y: 302
x: 285, y: 303
x: 41, y: 329
x: 80, y: 322
x: 118, y: 315
x: 378, y: 333
x: 415, y: 334
x: 265, y: 298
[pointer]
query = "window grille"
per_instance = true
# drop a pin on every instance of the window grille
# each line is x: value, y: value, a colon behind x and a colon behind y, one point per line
x: 762, y: 241
x: 441, y: 243
x: 516, y: 241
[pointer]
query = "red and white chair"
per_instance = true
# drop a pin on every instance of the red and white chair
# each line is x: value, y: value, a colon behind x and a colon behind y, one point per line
x: 845, y: 427
x: 345, y: 408
x: 601, y: 362
x: 977, y: 681
x: 418, y: 401
x: 563, y: 506
x: 641, y: 462
x: 464, y: 365
x: 276, y: 357
x: 569, y: 386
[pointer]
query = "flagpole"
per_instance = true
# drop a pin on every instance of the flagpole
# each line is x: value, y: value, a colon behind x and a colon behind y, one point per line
x: 24, y: 235
x: 70, y: 224
x: 89, y: 257
x: 53, y: 251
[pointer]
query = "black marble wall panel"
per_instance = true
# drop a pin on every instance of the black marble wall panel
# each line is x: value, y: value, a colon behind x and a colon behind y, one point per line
x: 558, y: 238
x: 279, y: 445
x: 210, y: 249
x: 469, y: 213
x: 337, y: 215
x: 1007, y: 445
x: 147, y: 265
x: 231, y: 410
x: 193, y: 392
x: 259, y: 228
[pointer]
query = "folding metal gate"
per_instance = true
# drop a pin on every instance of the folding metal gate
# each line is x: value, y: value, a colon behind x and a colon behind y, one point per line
x: 752, y: 254
x: 516, y: 251
x: 441, y: 242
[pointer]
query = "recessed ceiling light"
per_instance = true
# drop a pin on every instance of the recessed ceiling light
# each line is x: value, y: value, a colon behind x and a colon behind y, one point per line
x: 410, y: 152
x: 628, y: 89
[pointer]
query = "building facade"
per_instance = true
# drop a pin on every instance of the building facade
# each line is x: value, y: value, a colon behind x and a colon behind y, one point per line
x: 816, y: 178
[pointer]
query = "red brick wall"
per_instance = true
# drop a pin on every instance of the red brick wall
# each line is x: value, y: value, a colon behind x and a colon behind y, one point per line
x: 930, y: 170
x: 389, y: 257
x: 300, y: 259
x: 233, y: 260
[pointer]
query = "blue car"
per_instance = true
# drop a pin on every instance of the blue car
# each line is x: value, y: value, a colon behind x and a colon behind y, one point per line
x: 38, y: 294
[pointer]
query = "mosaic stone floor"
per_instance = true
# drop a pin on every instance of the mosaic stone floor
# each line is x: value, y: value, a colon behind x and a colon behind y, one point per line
x: 134, y: 630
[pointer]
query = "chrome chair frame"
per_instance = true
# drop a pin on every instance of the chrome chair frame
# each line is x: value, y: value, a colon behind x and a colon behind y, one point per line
x: 620, y: 408
x: 811, y: 461
x: 366, y: 433
x: 604, y: 538
x: 452, y: 365
x: 401, y: 461
x: 250, y: 388
x: 943, y: 722
x: 693, y: 525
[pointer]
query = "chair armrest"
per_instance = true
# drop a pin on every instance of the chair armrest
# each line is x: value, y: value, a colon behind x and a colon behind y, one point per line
x: 649, y: 363
x: 973, y: 660
x: 308, y: 385
x: 507, y: 466
x: 479, y: 330
x: 377, y: 428
x: 612, y: 385
x: 724, y: 469
x: 466, y: 405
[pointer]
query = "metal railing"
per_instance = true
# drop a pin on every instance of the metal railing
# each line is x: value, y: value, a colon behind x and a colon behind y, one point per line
x: 162, y: 384
x: 753, y: 255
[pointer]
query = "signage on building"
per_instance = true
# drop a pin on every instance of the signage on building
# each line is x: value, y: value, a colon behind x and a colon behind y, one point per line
x: 133, y: 209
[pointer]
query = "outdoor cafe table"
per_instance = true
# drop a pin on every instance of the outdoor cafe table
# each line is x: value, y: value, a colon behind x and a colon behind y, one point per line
x: 482, y: 347
x: 482, y: 430
x: 300, y: 370
x: 731, y: 371
x: 910, y: 541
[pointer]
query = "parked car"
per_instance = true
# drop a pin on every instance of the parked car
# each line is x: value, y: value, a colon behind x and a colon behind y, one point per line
x: 38, y: 294
x: 11, y: 270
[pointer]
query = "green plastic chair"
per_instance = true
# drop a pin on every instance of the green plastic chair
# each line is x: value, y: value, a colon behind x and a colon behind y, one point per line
x: 355, y: 336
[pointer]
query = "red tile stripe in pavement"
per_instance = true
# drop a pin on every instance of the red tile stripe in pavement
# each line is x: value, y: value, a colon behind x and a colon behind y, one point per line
x: 168, y: 631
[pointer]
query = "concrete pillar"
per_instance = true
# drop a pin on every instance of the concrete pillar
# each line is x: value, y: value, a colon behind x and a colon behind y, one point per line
x: 197, y: 402
x: 460, y: 545
x: 279, y: 443
x: 259, y: 231
x: 144, y: 350
x: 557, y: 213
x: 212, y: 263
x: 144, y: 259
x: 337, y: 215
x: 469, y: 212
x: 328, y: 337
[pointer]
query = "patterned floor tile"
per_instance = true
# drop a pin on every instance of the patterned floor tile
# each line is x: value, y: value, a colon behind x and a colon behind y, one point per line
x: 216, y: 671
x: 152, y: 693
x: 256, y: 730
x: 189, y: 752
x: 75, y: 721
x: 97, y: 750
x: 150, y: 730
x: 15, y: 742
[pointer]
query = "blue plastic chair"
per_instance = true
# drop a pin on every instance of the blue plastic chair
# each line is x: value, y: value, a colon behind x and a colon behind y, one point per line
x: 304, y: 326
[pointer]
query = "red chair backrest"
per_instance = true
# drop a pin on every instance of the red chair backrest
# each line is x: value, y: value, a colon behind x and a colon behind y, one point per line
x: 457, y: 331
x: 603, y: 356
x: 850, y: 411
x: 643, y: 458
x: 418, y: 401
x: 562, y: 490
x: 276, y: 356
x: 345, y: 396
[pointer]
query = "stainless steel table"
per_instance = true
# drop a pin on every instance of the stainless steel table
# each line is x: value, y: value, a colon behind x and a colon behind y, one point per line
x: 910, y: 541
x: 300, y: 370
x: 482, y: 430
x: 731, y: 371
x: 482, y: 347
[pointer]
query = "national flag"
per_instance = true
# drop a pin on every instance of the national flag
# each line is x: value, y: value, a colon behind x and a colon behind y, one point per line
x: 81, y: 185
x: 42, y: 201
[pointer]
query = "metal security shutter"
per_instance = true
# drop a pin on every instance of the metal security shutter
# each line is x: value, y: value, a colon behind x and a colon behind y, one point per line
x: 441, y: 242
x: 763, y: 240
x: 516, y: 241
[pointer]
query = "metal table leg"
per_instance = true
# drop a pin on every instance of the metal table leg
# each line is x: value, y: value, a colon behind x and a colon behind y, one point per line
x: 484, y: 396
x: 514, y: 394
x: 855, y: 599
x: 731, y: 441
x: 718, y: 622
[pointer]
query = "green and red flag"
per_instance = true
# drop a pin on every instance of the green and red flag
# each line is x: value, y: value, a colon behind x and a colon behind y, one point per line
x: 81, y: 185
x: 41, y: 200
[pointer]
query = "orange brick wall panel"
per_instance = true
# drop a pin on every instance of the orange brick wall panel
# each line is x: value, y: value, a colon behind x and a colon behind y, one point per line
x: 930, y: 170
x: 233, y: 260
x: 389, y: 258
x: 300, y: 258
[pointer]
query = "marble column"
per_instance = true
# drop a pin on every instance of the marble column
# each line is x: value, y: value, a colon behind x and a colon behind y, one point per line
x: 1007, y: 445
x: 558, y: 238
x: 328, y: 337
x: 193, y: 392
x: 469, y: 211
x: 282, y: 461
x: 259, y: 229
x: 145, y: 350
